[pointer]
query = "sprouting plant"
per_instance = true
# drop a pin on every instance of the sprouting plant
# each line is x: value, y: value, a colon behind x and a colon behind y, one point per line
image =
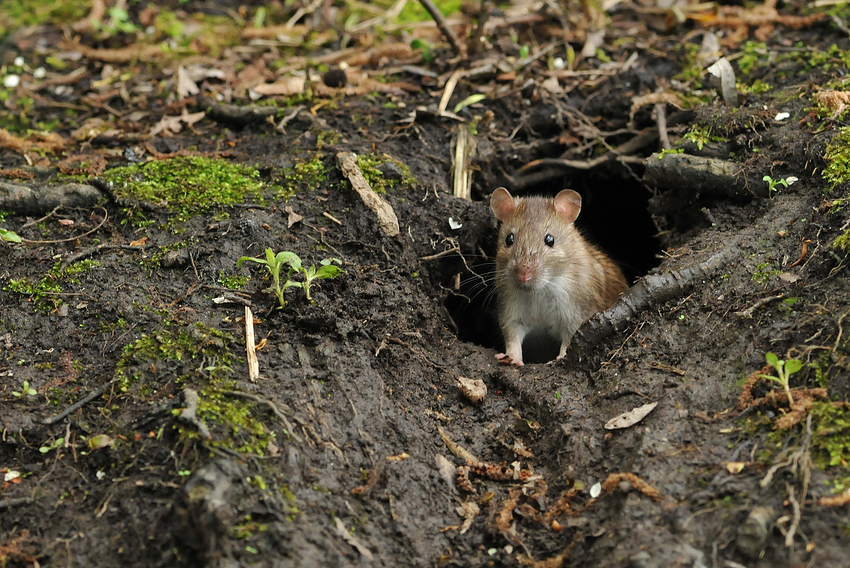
x: 784, y: 369
x: 275, y: 262
x: 9, y: 236
x: 26, y: 389
x: 326, y: 270
x: 52, y: 446
x: 772, y: 185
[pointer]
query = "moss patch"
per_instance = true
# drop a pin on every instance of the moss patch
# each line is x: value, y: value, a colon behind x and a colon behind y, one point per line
x: 199, y: 357
x: 302, y: 176
x: 44, y: 293
x: 837, y: 157
x: 184, y: 186
x: 384, y: 173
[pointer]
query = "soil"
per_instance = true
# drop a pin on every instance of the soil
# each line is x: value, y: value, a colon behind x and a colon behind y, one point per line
x: 344, y: 451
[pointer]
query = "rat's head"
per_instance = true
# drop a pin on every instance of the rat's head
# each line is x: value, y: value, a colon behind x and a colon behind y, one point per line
x: 537, y: 236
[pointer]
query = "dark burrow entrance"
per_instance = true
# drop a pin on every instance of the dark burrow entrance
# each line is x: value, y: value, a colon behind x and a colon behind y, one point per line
x: 614, y: 217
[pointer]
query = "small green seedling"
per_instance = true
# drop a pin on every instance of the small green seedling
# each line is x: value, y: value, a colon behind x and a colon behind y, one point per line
x: 275, y: 262
x: 326, y: 270
x: 9, y: 236
x: 772, y: 185
x: 25, y: 390
x: 52, y: 446
x: 784, y: 369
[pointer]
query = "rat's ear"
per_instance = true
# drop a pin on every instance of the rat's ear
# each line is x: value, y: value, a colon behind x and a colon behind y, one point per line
x: 502, y: 204
x: 568, y: 205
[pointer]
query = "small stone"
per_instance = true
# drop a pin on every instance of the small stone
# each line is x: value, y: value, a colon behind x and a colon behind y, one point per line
x: 335, y: 78
x: 391, y: 170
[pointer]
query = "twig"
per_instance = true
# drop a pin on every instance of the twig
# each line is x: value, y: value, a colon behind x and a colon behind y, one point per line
x: 45, y: 218
x: 748, y: 313
x: 271, y: 405
x: 661, y: 121
x: 386, y: 216
x: 91, y: 251
x: 250, y: 346
x: 441, y: 22
x: 79, y: 404
x: 652, y: 289
x: 449, y: 90
x: 795, y: 518
x: 99, y: 225
x: 464, y: 151
x: 15, y: 501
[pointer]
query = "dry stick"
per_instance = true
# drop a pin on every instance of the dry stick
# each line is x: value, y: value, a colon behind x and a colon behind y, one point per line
x: 105, y: 217
x: 474, y: 41
x: 14, y: 502
x: 91, y: 251
x: 449, y: 89
x: 386, y: 216
x: 250, y: 346
x: 281, y: 416
x: 661, y: 121
x: 79, y: 404
x: 441, y: 22
x: 464, y: 151
x: 652, y: 289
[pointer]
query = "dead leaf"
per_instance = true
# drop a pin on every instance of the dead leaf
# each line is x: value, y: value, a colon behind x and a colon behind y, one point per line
x: 473, y: 389
x: 468, y: 510
x: 351, y: 539
x: 186, y: 87
x: 631, y: 417
x: 293, y: 217
x: 735, y: 467
x: 139, y: 242
x: 286, y: 87
x: 100, y: 441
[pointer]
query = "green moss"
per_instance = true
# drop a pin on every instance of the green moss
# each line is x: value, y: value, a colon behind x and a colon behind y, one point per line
x: 44, y: 293
x: 837, y: 157
x: 17, y: 15
x: 842, y: 242
x: 302, y: 176
x: 831, y: 436
x: 763, y: 272
x: 757, y: 87
x: 184, y: 186
x: 701, y: 135
x: 236, y: 282
x: 370, y: 165
x: 199, y: 357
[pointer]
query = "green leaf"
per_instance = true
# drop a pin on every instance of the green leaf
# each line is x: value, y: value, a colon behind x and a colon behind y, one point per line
x: 792, y: 366
x: 771, y: 359
x: 270, y: 258
x: 9, y: 236
x: 251, y: 258
x: 289, y: 258
x: 470, y: 100
x: 523, y: 53
x: 328, y: 271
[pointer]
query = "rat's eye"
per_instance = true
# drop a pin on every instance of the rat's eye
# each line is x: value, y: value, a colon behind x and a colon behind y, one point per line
x: 509, y: 240
x: 549, y: 240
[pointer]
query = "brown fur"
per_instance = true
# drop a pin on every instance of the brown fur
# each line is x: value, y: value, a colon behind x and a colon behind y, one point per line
x: 542, y: 288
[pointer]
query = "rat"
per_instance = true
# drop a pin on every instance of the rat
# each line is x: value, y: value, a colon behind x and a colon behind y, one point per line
x: 549, y: 279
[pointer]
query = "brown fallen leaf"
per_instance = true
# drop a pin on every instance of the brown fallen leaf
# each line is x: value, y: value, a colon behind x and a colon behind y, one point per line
x: 631, y: 417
